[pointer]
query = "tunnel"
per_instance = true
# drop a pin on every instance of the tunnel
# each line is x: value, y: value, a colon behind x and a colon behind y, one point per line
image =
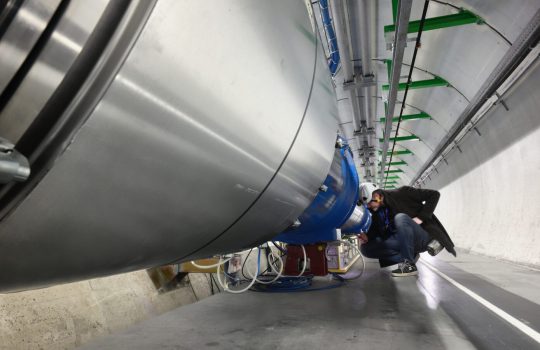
x: 140, y: 138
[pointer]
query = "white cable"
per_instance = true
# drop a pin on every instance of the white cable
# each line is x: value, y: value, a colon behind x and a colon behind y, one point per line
x: 326, y: 252
x: 225, y: 286
x: 270, y: 264
x: 304, y: 266
x: 305, y: 260
x: 361, y: 256
x: 273, y: 262
x: 278, y: 273
x: 355, y: 247
x: 248, y: 273
x: 210, y: 266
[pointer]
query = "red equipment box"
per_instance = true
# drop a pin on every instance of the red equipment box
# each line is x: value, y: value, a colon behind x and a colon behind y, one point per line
x: 316, y: 260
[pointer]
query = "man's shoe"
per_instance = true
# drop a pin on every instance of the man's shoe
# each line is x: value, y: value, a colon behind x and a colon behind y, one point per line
x: 404, y: 269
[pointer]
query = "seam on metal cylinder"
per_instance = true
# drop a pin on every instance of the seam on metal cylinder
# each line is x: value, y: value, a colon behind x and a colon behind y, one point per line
x: 61, y: 133
x: 277, y: 170
x: 13, y: 85
x: 9, y: 13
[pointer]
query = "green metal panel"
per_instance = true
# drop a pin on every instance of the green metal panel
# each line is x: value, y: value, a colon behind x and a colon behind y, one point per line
x: 398, y: 153
x: 421, y: 115
x: 395, y: 6
x: 398, y: 163
x: 401, y: 162
x: 393, y: 171
x: 420, y: 84
x: 458, y: 19
x: 402, y: 138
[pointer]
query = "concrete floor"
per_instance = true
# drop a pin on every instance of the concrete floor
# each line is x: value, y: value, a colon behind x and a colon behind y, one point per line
x: 375, y: 311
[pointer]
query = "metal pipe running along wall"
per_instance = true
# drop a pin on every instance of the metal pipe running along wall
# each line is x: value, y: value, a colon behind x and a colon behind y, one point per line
x: 168, y: 147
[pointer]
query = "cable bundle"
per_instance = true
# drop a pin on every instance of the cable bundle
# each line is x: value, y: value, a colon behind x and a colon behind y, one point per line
x: 275, y: 282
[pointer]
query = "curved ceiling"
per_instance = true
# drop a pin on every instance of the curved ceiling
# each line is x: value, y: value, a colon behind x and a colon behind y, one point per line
x: 452, y: 64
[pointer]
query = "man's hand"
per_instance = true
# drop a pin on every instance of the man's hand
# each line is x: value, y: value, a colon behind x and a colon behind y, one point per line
x: 363, y: 238
x: 418, y: 221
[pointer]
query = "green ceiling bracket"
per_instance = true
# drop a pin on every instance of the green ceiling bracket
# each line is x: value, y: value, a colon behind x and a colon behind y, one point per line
x: 401, y: 162
x: 401, y: 152
x: 395, y: 177
x: 398, y: 153
x: 420, y: 84
x: 402, y: 138
x: 395, y: 6
x: 393, y: 171
x: 421, y: 115
x: 457, y: 19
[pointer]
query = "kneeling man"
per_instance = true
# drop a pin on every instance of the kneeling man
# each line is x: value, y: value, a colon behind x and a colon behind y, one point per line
x: 403, y: 226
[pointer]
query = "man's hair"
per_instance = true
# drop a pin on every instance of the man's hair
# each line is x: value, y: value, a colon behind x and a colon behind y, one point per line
x: 378, y: 191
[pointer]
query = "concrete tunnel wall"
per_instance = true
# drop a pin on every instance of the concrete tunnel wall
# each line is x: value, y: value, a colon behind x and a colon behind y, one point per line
x: 69, y: 315
x: 490, y: 192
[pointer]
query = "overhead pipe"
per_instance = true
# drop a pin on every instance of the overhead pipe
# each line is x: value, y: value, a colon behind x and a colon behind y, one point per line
x: 328, y: 22
x: 400, y: 41
x: 366, y: 12
x: 333, y: 61
x: 373, y: 23
x: 342, y: 36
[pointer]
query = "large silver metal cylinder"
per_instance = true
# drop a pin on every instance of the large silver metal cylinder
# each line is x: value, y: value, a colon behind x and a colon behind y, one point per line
x: 213, y: 134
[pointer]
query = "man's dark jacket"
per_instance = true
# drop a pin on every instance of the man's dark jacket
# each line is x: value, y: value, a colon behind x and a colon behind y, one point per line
x: 416, y: 202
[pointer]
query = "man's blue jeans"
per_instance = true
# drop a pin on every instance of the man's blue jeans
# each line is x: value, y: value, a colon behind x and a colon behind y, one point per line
x: 408, y: 240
